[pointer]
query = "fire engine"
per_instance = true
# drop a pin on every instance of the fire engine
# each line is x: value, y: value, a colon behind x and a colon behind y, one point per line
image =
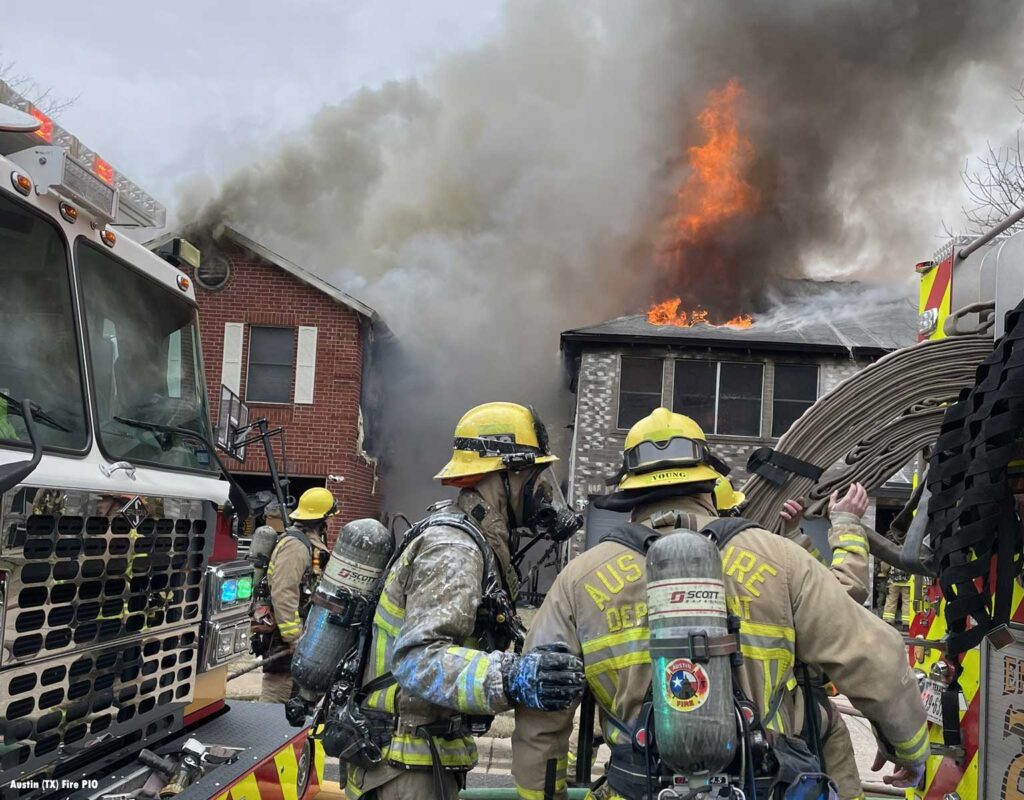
x: 971, y: 285
x: 122, y: 597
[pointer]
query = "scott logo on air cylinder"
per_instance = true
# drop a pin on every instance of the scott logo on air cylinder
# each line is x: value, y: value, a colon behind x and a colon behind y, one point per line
x: 692, y: 595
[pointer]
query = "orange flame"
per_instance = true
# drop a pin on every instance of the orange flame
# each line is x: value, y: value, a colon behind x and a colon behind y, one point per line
x: 668, y: 312
x: 714, y: 191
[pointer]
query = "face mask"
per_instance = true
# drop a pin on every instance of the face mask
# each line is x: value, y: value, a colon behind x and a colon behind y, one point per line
x: 545, y: 510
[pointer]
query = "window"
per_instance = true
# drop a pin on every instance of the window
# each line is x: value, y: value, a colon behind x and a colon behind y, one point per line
x: 639, y: 389
x: 271, y: 362
x: 143, y: 341
x: 39, y: 355
x: 724, y: 397
x: 796, y: 389
x: 694, y: 391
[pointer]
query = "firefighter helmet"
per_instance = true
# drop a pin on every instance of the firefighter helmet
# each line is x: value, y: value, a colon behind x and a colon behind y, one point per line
x: 664, y: 449
x: 497, y: 436
x: 727, y: 498
x: 316, y: 503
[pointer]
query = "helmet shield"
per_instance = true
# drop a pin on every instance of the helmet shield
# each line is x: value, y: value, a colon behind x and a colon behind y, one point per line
x: 648, y: 456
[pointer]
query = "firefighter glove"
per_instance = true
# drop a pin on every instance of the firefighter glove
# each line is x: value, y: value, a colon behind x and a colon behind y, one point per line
x: 548, y: 678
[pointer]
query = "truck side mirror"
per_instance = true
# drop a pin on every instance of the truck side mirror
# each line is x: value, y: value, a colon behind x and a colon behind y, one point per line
x: 13, y: 474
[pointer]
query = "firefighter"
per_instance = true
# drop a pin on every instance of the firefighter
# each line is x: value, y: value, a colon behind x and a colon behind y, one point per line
x: 291, y: 573
x: 791, y: 609
x: 434, y: 678
x: 273, y: 519
x: 897, y: 594
x: 848, y: 563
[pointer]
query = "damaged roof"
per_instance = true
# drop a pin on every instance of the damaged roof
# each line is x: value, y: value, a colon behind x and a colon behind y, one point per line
x: 293, y: 269
x: 810, y: 316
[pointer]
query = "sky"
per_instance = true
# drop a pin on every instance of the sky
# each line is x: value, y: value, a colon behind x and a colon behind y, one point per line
x: 196, y: 87
x: 489, y: 173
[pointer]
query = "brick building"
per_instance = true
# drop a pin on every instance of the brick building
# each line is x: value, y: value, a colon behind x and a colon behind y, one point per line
x: 300, y: 353
x: 744, y: 386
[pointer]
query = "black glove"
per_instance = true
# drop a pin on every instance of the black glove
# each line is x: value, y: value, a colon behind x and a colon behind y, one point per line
x: 548, y: 678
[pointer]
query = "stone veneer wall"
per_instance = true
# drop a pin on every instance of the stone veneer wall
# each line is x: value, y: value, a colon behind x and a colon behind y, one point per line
x: 597, y: 442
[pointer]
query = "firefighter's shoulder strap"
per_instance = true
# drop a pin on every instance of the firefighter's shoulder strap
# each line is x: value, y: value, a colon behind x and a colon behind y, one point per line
x: 492, y: 576
x: 640, y: 538
x: 297, y: 533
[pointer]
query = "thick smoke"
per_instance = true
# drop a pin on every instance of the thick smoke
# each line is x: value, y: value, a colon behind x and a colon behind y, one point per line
x: 515, y: 191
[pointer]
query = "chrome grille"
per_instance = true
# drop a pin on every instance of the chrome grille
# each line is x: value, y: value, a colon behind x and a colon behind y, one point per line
x: 101, y: 597
x: 84, y: 579
x: 73, y: 703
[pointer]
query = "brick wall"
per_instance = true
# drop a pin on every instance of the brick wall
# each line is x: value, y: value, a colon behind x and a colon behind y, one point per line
x: 597, y: 448
x: 322, y: 438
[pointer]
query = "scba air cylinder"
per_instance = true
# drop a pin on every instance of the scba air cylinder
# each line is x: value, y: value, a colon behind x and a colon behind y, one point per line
x: 261, y: 548
x: 694, y: 715
x: 360, y: 555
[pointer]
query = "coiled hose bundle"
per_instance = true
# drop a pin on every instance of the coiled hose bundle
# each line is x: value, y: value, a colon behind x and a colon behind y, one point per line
x: 866, y: 429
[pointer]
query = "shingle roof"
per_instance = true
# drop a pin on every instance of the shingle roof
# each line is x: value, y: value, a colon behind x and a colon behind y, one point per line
x: 816, y: 316
x: 290, y: 267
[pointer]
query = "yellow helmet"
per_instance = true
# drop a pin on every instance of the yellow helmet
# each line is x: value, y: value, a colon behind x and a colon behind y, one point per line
x: 727, y: 498
x: 497, y: 436
x: 664, y: 449
x: 316, y: 503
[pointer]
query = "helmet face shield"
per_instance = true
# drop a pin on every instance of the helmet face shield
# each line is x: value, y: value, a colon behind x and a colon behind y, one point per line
x: 649, y: 456
x: 545, y: 510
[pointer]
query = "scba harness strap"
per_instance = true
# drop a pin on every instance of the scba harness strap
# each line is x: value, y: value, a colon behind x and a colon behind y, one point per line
x: 497, y: 625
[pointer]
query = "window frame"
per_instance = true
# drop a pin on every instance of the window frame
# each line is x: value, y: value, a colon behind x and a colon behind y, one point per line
x: 248, y: 364
x: 618, y: 393
x: 213, y: 470
x: 718, y: 400
x: 718, y: 394
x: 77, y: 323
x: 775, y: 395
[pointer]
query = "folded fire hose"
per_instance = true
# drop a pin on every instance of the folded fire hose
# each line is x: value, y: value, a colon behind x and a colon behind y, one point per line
x: 866, y: 429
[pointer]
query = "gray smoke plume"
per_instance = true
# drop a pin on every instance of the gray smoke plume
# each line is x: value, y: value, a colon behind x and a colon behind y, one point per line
x: 515, y: 190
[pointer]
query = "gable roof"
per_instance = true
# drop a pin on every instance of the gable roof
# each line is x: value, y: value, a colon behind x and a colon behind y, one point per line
x: 293, y: 269
x: 825, y: 317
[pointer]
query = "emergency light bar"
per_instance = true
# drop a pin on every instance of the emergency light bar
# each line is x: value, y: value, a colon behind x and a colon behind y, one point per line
x: 52, y: 169
x: 134, y: 208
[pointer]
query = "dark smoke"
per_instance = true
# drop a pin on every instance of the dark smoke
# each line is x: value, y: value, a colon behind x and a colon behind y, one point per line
x: 513, y: 192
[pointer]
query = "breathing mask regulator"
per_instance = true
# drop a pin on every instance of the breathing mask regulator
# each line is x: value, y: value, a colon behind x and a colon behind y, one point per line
x: 545, y: 514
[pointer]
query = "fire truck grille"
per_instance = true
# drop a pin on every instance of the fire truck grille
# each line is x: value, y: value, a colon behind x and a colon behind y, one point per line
x: 76, y: 702
x: 82, y: 581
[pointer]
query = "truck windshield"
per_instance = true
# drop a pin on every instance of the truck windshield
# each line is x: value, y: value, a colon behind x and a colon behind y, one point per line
x: 143, y: 343
x: 38, y: 345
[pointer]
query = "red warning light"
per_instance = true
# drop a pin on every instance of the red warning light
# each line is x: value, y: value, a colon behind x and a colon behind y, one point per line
x: 45, y: 131
x: 103, y: 170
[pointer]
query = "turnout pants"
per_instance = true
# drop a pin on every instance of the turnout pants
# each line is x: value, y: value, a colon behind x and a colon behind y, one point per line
x: 276, y: 687
x: 840, y: 758
x: 385, y: 782
x: 897, y: 594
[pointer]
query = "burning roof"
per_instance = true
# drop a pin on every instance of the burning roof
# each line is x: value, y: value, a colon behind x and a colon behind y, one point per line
x: 802, y: 315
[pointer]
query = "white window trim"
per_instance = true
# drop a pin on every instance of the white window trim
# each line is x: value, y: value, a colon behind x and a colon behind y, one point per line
x: 305, y: 365
x: 231, y: 356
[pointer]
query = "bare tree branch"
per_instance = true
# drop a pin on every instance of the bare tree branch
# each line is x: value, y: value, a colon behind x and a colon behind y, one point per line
x: 41, y: 97
x: 995, y: 182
